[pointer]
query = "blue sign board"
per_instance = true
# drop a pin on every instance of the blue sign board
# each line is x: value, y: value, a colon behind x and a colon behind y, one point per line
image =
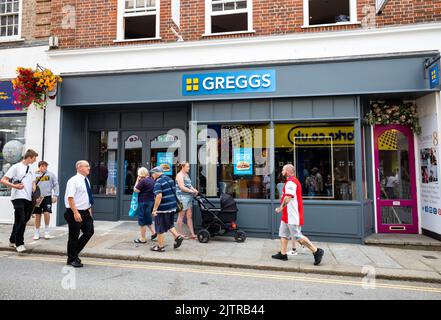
x: 165, y: 160
x: 229, y: 82
x: 434, y: 76
x: 6, y: 97
x: 243, y: 161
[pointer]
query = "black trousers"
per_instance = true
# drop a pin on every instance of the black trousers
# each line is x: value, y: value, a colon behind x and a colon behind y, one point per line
x: 76, y: 244
x: 22, y: 214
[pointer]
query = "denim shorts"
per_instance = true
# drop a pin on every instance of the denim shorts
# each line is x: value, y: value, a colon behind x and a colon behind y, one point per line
x: 145, y: 213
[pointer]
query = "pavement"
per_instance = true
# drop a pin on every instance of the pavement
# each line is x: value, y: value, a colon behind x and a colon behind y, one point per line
x: 114, y: 240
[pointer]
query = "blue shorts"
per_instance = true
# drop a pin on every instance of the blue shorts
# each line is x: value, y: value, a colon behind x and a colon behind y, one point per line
x: 164, y: 222
x: 145, y: 213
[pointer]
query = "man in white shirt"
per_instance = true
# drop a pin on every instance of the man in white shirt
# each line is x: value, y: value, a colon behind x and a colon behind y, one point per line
x: 21, y: 180
x: 78, y: 201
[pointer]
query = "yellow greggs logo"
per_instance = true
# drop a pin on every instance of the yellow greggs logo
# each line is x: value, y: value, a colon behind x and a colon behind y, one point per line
x: 192, y: 84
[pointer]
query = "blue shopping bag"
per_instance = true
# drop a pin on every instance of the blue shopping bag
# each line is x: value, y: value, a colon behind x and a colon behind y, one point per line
x: 134, y: 208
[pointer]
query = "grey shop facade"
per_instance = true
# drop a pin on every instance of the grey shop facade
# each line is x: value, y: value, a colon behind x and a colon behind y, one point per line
x: 308, y: 113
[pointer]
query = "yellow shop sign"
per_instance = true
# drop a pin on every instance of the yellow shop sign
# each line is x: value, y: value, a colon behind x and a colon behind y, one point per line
x: 287, y: 135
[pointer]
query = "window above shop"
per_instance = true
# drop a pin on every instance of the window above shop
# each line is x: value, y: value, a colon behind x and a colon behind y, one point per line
x: 329, y: 12
x: 10, y: 20
x: 228, y: 16
x: 138, y: 20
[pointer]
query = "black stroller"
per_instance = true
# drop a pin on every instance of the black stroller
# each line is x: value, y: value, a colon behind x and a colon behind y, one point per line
x: 218, y: 221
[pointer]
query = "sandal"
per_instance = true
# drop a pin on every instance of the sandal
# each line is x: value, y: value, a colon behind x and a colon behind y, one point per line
x: 157, y: 249
x: 153, y: 237
x: 194, y: 237
x: 178, y: 242
x: 139, y: 241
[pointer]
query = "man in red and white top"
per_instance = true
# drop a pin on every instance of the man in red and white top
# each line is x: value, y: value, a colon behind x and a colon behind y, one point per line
x: 292, y: 216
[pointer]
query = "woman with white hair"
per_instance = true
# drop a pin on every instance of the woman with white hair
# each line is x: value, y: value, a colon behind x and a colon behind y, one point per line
x: 144, y: 186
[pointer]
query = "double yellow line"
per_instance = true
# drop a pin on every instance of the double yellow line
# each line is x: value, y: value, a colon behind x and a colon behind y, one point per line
x: 254, y: 275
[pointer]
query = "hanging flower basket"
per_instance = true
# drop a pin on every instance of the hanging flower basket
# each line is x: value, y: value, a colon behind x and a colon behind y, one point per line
x: 384, y: 114
x: 33, y: 87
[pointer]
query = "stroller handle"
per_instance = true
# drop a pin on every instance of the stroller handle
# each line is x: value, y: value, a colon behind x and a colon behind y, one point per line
x: 201, y: 195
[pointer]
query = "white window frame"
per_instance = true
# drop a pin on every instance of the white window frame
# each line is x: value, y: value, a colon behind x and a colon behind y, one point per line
x: 352, y: 15
x: 209, y: 13
x: 18, y: 36
x: 121, y: 14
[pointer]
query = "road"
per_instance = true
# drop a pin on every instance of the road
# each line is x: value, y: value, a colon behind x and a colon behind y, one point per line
x: 47, y: 277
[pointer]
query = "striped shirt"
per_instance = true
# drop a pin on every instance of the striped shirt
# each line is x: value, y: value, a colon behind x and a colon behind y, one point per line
x: 166, y: 186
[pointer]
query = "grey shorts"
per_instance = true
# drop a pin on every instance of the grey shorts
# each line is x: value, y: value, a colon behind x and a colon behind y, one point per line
x: 290, y: 231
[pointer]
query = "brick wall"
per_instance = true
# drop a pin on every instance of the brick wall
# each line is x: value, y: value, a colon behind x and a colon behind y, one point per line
x: 96, y: 21
x: 36, y: 24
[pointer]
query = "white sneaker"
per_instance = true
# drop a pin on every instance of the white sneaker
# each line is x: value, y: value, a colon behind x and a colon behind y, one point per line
x: 37, y: 235
x: 47, y: 236
x: 12, y: 245
x: 21, y: 249
x: 292, y: 253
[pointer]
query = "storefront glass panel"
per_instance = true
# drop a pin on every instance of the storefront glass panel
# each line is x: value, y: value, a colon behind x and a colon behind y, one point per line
x: 12, y: 140
x: 234, y: 159
x: 103, y: 149
x: 323, y: 155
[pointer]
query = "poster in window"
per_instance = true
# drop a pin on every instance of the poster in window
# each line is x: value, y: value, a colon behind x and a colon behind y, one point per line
x: 243, y: 161
x: 165, y: 160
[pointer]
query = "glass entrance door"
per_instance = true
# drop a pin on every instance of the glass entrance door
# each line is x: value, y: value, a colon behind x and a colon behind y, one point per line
x: 145, y: 149
x: 395, y: 180
x: 133, y: 157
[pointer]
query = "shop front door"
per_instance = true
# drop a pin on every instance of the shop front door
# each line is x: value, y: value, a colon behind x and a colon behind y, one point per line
x: 144, y: 149
x: 395, y: 180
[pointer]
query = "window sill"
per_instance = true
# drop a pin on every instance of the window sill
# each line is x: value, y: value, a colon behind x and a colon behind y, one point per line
x: 227, y: 33
x: 135, y: 40
x: 331, y: 25
x: 15, y: 39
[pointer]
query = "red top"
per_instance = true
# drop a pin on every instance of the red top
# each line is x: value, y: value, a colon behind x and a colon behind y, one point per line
x: 293, y: 212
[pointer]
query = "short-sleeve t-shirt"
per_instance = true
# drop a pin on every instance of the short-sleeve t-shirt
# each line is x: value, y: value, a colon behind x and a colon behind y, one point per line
x: 25, y: 174
x: 166, y: 186
x: 146, y: 186
x: 293, y: 212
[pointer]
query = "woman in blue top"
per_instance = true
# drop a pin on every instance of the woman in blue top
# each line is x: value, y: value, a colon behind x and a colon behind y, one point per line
x: 144, y: 186
x: 185, y: 193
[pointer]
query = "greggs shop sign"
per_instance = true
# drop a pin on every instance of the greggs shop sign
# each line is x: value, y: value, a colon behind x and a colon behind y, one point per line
x: 229, y: 82
x: 289, y: 135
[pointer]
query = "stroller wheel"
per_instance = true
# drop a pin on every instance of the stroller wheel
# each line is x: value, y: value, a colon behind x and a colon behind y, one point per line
x: 240, y: 236
x: 203, y: 236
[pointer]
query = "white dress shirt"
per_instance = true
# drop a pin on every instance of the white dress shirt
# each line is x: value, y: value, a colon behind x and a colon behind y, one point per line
x: 76, y: 188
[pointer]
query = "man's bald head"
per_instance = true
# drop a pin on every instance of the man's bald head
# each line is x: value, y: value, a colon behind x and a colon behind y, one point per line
x: 288, y: 170
x: 83, y: 167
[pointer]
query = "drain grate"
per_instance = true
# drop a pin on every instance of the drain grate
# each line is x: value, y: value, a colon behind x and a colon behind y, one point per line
x: 431, y: 257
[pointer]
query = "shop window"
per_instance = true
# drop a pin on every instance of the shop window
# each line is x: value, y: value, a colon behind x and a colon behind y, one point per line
x: 234, y: 159
x: 9, y: 19
x: 103, y: 148
x: 140, y: 19
x: 12, y: 140
x: 323, y: 155
x: 228, y: 16
x: 318, y: 12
